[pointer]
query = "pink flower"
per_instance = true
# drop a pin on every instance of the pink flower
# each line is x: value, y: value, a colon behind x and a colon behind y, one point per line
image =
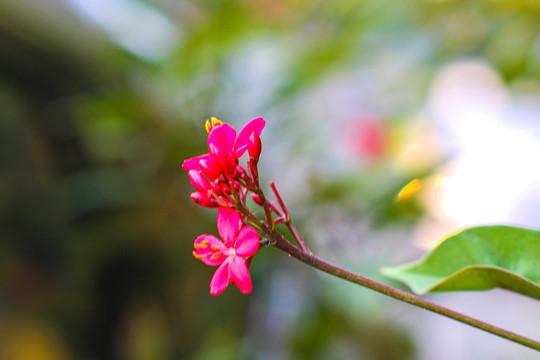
x: 238, y: 242
x: 224, y: 148
x: 369, y: 138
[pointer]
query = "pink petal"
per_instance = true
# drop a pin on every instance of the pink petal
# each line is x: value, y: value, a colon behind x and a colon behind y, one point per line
x: 225, y: 160
x: 210, y: 167
x: 221, y: 278
x: 198, y: 181
x: 194, y: 162
x: 228, y: 222
x: 223, y: 137
x: 210, y: 250
x: 247, y: 242
x: 254, y: 126
x: 240, y: 274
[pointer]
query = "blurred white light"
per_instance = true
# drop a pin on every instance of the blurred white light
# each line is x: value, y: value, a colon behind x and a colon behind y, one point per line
x: 493, y: 175
x: 467, y: 99
x: 132, y: 24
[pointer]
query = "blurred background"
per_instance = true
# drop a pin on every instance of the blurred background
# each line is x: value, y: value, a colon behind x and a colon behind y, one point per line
x: 389, y: 125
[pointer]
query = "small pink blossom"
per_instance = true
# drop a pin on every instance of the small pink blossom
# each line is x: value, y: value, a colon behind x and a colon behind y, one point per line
x: 224, y: 148
x: 239, y: 242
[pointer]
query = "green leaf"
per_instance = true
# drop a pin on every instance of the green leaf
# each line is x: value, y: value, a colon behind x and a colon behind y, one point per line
x: 479, y: 258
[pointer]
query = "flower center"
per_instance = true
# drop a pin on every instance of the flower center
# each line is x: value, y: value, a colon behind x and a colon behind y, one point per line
x: 229, y: 252
x: 206, y: 251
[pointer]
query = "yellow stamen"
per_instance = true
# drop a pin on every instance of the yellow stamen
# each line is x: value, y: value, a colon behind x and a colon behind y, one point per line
x: 212, y: 123
x: 197, y: 256
x: 216, y: 255
x: 202, y: 245
x: 216, y: 121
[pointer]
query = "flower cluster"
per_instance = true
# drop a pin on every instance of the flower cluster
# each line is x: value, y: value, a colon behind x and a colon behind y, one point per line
x: 214, y: 173
x: 220, y: 181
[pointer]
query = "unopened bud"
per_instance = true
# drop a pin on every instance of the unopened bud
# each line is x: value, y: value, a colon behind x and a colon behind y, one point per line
x: 236, y: 185
x: 225, y: 188
x: 203, y: 200
x: 239, y: 171
x: 216, y: 188
x: 198, y: 180
x: 256, y: 198
x: 254, y: 146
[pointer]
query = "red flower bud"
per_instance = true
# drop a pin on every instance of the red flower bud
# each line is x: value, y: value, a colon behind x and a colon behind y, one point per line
x: 256, y: 198
x: 222, y: 188
x: 203, y: 200
x: 198, y: 181
x: 236, y: 185
x: 239, y: 171
x: 214, y: 186
x: 225, y: 188
x: 254, y: 145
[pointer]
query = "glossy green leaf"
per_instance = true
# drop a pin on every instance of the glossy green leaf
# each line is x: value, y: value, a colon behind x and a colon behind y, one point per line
x: 479, y: 258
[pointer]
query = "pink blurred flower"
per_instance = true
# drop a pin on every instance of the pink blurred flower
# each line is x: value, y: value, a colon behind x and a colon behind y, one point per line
x: 368, y: 137
x: 239, y: 242
x: 224, y: 148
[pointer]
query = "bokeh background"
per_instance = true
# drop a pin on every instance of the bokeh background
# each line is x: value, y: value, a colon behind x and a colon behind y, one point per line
x: 390, y: 125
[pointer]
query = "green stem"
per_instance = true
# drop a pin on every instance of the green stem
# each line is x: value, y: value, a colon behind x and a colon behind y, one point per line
x: 313, y: 261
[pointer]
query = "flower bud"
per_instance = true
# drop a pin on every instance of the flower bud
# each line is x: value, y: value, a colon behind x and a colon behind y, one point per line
x: 239, y: 171
x: 203, y: 200
x: 256, y: 198
x: 225, y: 188
x: 220, y: 188
x: 236, y: 185
x: 279, y: 220
x: 214, y: 187
x: 198, y: 181
x: 254, y: 146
